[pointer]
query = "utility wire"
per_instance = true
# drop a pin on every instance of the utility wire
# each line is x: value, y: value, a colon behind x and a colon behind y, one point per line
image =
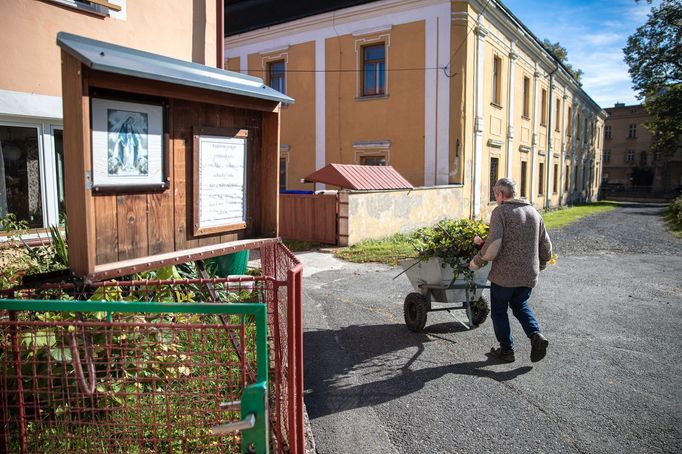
x: 361, y: 70
x: 345, y: 70
x: 445, y: 68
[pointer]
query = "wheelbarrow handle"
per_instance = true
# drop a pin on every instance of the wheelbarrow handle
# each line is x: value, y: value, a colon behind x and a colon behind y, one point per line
x: 406, y: 270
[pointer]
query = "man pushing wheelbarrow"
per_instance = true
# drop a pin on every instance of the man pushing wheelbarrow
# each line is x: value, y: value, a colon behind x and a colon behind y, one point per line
x: 519, y: 248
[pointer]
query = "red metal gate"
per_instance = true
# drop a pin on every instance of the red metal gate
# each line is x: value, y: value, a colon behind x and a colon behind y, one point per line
x: 279, y: 287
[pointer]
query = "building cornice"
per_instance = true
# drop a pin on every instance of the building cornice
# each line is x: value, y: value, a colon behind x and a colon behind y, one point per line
x: 495, y: 13
x: 330, y: 19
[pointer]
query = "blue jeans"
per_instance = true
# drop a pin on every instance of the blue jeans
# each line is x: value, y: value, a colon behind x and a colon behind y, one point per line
x: 502, y: 298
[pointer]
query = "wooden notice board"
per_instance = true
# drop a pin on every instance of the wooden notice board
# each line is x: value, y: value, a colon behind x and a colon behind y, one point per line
x: 124, y: 230
x: 220, y: 180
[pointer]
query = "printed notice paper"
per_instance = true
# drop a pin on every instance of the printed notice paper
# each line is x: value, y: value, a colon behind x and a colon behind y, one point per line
x: 222, y: 179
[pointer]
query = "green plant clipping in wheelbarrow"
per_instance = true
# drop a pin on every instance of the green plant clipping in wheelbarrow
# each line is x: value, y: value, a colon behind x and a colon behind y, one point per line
x: 451, y: 240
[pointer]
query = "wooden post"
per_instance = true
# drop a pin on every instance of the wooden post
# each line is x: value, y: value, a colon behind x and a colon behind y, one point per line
x: 77, y: 163
x: 269, y: 174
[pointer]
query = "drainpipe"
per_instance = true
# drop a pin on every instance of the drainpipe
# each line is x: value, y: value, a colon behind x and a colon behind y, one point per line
x: 534, y: 144
x: 548, y: 195
x: 562, y: 158
x: 573, y: 145
x: 481, y: 32
x: 510, y: 112
x: 581, y: 158
x: 220, y: 34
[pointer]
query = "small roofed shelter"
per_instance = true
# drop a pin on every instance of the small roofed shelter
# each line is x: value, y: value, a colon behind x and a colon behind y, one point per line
x: 166, y: 161
x: 359, y: 177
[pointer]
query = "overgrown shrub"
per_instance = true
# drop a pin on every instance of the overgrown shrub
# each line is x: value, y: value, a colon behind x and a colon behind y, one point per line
x: 676, y: 210
x: 18, y: 259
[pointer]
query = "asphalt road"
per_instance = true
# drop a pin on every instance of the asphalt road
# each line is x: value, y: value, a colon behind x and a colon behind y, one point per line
x: 611, y: 382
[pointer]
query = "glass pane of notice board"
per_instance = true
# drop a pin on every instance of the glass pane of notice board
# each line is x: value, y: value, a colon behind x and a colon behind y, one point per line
x: 219, y: 183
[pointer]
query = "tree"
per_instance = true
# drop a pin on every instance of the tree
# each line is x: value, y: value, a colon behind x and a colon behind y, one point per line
x: 560, y: 53
x: 654, y: 56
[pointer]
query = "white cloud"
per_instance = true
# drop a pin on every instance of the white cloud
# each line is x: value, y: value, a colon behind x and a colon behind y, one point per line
x: 603, y: 39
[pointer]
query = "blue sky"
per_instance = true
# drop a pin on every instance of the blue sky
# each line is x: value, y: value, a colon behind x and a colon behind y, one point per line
x: 594, y: 33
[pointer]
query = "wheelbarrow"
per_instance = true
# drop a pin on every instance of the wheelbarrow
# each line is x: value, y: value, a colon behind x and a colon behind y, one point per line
x: 435, y: 282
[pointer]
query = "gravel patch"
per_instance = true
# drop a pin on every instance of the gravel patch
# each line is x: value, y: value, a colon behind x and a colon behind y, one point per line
x: 632, y: 228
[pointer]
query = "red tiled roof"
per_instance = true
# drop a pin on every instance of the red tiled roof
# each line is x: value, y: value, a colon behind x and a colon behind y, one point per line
x: 349, y: 176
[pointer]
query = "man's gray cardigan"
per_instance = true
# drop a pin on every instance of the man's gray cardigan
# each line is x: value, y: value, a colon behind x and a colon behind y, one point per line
x: 517, y: 244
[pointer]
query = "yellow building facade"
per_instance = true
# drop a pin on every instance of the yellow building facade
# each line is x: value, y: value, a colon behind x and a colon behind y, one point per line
x: 449, y: 93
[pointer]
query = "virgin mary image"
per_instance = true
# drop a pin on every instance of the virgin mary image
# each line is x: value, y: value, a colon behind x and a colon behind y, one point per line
x: 128, y: 156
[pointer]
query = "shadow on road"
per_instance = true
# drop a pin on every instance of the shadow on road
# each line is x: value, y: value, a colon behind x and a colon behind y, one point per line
x: 365, y: 365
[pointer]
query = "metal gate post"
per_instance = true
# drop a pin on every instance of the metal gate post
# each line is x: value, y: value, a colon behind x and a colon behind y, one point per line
x: 295, y: 319
x: 255, y: 398
x: 254, y: 425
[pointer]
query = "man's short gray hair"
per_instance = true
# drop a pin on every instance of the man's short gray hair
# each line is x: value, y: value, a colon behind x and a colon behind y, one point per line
x: 506, y: 186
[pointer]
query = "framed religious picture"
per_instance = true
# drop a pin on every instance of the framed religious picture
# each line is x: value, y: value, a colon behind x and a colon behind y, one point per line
x: 127, y: 145
x: 220, y: 180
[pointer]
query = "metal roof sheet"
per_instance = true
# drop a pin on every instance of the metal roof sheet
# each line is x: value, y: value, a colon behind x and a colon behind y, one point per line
x: 350, y: 176
x: 116, y: 59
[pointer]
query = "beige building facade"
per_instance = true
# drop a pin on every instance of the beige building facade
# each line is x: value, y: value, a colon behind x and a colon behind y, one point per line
x: 450, y: 93
x: 629, y: 165
x: 31, y: 127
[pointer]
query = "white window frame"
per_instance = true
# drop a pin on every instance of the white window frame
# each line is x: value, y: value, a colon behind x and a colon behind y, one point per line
x: 632, y: 131
x: 372, y: 148
x: 80, y: 5
x: 46, y: 160
x: 51, y: 182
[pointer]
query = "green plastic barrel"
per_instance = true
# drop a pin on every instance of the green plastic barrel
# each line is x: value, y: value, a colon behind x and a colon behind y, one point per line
x: 230, y: 264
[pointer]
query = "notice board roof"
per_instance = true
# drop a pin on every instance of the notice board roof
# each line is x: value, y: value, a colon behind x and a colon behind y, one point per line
x: 111, y: 58
x: 359, y: 177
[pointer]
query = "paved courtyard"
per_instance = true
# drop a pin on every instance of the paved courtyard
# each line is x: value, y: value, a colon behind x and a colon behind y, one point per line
x: 611, y: 382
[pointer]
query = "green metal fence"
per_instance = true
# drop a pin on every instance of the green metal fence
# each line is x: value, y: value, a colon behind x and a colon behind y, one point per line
x: 97, y: 376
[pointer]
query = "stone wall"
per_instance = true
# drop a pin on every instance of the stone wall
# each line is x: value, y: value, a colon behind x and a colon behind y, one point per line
x: 378, y: 214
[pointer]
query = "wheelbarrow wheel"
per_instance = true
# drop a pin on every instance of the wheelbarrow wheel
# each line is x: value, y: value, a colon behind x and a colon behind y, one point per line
x: 479, y: 311
x: 415, y: 308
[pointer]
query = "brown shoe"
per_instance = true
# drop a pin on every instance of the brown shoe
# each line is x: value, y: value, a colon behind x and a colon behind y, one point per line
x: 503, y: 355
x: 538, y: 347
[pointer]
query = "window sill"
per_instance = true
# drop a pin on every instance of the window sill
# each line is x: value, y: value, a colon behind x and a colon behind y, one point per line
x: 93, y: 10
x: 371, y: 97
x: 525, y: 117
x: 495, y: 105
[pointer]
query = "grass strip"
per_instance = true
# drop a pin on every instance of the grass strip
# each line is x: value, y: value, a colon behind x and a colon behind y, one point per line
x: 562, y: 217
x: 392, y: 249
x: 300, y: 245
x: 389, y: 250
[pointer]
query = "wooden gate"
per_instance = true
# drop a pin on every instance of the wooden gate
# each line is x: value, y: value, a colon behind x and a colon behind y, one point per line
x: 311, y: 217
